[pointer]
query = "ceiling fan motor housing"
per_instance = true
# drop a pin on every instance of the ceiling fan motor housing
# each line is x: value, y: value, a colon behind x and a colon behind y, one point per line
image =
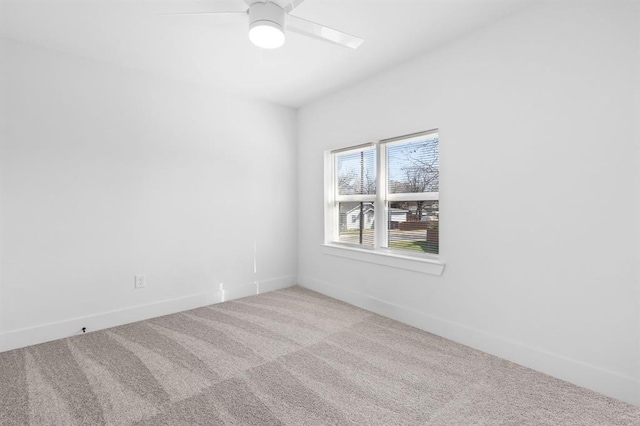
x: 269, y: 14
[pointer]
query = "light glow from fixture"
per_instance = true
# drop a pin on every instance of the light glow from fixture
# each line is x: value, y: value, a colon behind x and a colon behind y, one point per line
x: 266, y: 34
x: 266, y: 25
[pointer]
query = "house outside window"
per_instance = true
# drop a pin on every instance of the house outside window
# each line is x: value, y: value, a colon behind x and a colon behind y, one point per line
x: 384, y: 196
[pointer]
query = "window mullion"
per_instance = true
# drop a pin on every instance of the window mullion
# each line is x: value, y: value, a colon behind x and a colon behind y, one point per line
x: 382, y: 215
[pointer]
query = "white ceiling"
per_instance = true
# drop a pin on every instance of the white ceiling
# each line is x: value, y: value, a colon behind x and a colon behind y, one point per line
x: 202, y: 49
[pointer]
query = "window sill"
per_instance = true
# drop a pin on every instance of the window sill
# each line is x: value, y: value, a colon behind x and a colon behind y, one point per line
x: 393, y: 260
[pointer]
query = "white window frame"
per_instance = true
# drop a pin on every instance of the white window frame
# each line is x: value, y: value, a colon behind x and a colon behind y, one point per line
x: 380, y: 254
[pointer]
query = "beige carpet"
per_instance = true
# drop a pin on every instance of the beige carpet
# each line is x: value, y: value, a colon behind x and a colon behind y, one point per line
x: 290, y: 357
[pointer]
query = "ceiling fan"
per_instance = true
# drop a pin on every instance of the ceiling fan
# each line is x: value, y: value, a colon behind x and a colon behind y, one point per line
x: 268, y: 21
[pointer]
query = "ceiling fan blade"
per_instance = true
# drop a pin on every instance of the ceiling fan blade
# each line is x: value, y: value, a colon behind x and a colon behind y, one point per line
x: 293, y: 5
x: 302, y: 26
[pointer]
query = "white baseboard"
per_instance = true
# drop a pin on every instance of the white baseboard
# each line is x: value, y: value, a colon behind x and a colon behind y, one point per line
x: 58, y: 330
x: 610, y: 383
x: 231, y: 292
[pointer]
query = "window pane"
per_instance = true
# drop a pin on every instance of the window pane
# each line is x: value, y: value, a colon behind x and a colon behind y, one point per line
x: 414, y: 225
x: 356, y: 223
x: 413, y: 166
x: 357, y: 172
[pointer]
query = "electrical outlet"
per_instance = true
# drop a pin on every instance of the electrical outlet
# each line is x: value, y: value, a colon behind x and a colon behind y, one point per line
x: 139, y: 281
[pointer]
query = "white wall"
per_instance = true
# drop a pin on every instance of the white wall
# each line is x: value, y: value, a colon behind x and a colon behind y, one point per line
x: 539, y: 191
x: 107, y: 173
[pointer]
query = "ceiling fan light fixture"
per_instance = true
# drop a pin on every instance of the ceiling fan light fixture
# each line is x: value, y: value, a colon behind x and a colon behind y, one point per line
x: 266, y: 25
x: 266, y: 34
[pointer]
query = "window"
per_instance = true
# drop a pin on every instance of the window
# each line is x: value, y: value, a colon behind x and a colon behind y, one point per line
x: 384, y: 196
x: 355, y: 194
